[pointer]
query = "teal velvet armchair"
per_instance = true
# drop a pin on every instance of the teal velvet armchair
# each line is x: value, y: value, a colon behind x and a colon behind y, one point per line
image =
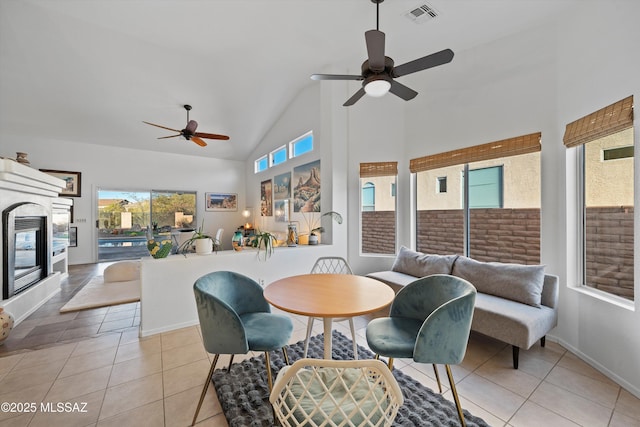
x: 235, y: 319
x: 429, y: 322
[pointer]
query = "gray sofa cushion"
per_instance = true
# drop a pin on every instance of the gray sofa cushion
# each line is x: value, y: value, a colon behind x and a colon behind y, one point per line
x: 419, y: 265
x: 512, y: 322
x: 516, y: 282
x: 393, y: 278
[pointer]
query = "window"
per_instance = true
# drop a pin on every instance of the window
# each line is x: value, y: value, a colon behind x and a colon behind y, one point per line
x: 278, y: 156
x: 491, y: 209
x: 485, y: 187
x: 173, y: 209
x: 302, y: 145
x: 368, y: 197
x: 441, y: 184
x: 378, y: 209
x: 604, y: 142
x: 261, y: 164
x: 617, y: 153
x: 127, y: 218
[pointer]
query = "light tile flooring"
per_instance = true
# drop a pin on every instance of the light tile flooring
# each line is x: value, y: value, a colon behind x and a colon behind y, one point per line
x: 95, y: 362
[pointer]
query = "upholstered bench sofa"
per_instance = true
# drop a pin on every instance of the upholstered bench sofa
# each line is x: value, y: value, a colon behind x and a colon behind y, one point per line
x: 516, y: 304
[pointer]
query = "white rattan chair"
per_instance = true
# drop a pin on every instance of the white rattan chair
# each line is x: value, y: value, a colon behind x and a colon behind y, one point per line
x: 321, y: 392
x: 331, y: 265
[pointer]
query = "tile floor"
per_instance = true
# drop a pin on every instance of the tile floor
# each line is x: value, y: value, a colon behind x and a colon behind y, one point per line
x: 95, y: 360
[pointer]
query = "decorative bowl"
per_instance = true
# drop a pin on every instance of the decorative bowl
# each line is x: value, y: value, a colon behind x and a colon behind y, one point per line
x: 159, y: 249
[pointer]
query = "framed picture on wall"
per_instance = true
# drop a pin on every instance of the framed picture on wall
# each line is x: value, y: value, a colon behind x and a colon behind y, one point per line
x: 266, y: 198
x: 73, y: 237
x: 282, y: 186
x: 221, y: 202
x: 306, y: 193
x: 73, y: 181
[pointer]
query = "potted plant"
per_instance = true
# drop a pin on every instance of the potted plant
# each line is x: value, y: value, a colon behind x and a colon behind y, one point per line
x: 203, y: 242
x: 263, y: 240
x: 314, y: 227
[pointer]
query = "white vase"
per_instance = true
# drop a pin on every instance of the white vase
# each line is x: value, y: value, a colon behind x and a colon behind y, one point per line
x: 6, y: 324
x: 313, y: 239
x: 204, y: 246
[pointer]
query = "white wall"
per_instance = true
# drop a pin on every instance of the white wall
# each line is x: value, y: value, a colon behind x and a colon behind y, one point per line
x: 126, y: 169
x: 376, y: 134
x: 595, y: 71
x: 534, y: 81
x: 304, y: 114
x: 538, y: 80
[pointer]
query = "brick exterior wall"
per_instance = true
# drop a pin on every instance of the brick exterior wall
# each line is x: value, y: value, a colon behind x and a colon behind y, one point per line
x: 440, y: 232
x: 513, y: 235
x: 379, y: 232
x: 609, y: 250
x: 503, y: 235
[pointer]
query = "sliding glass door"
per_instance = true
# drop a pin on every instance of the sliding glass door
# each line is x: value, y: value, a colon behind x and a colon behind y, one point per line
x: 127, y: 218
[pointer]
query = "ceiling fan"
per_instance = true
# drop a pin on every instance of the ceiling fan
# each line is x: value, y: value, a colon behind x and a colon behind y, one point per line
x: 379, y: 72
x: 189, y: 132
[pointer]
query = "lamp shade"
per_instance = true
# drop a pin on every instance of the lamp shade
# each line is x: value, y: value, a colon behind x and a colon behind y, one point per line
x: 377, y: 88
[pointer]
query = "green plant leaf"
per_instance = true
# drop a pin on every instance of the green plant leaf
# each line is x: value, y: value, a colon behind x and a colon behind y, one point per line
x: 334, y: 215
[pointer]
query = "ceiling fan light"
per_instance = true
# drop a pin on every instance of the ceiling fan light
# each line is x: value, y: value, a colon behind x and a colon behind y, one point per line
x: 377, y: 88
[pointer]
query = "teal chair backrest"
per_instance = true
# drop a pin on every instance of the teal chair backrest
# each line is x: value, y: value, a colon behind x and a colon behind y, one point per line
x: 445, y: 304
x: 221, y: 298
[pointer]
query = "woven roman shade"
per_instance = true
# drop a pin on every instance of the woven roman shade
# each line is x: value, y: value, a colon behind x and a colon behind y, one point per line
x: 507, y: 147
x: 604, y: 122
x: 370, y: 170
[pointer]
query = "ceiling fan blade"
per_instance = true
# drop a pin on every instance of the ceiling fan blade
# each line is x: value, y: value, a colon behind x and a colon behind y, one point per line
x: 210, y: 135
x: 359, y: 94
x: 402, y: 91
x: 172, y: 136
x: 191, y: 127
x: 429, y: 61
x: 163, y: 127
x: 335, y: 77
x: 198, y: 141
x: 375, y: 50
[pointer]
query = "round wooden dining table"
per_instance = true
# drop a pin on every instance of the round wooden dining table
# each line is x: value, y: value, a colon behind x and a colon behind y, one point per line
x: 329, y: 296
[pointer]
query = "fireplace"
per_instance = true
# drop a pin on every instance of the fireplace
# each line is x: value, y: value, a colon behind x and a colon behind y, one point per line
x: 26, y: 256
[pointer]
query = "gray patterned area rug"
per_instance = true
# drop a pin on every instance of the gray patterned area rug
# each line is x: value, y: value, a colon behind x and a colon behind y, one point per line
x: 244, y: 393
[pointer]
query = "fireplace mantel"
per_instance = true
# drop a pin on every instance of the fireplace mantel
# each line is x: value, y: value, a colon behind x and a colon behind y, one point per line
x: 23, y: 184
x: 23, y: 179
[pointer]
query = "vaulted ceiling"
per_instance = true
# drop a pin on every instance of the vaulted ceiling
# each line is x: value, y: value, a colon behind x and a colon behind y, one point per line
x: 92, y: 71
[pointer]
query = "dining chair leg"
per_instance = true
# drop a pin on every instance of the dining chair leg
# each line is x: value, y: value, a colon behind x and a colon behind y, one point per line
x: 455, y: 395
x: 230, y: 363
x: 286, y: 355
x: 390, y: 363
x: 306, y: 341
x: 353, y: 337
x: 206, y: 386
x: 435, y: 370
x: 267, y: 361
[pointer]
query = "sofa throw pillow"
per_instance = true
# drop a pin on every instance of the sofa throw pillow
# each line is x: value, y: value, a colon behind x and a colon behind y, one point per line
x: 516, y: 282
x: 419, y: 265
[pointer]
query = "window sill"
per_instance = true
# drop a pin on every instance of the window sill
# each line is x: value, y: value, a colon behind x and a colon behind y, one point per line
x: 606, y: 297
x: 371, y: 255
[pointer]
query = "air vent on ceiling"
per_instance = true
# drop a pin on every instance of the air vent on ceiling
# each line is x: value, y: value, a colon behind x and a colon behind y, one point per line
x: 421, y: 13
